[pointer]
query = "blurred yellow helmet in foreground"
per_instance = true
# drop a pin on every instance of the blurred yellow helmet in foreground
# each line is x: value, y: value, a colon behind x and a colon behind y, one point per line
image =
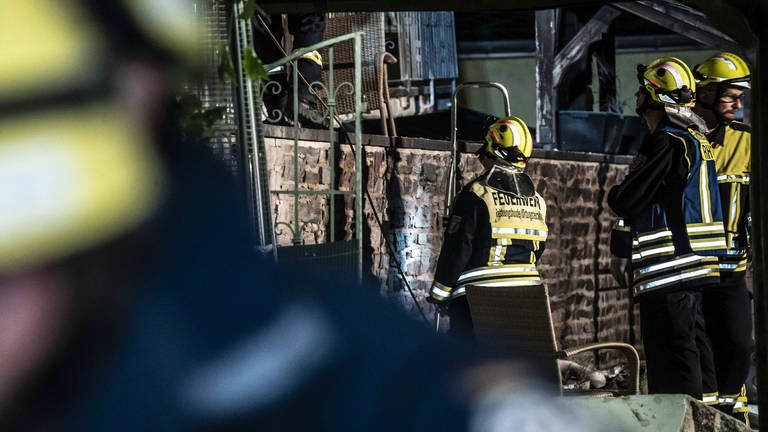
x: 69, y: 180
x: 74, y: 171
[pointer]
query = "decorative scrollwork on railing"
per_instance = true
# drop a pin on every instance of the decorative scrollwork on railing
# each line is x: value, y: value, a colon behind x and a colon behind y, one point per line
x: 350, y: 89
x: 272, y: 97
x: 317, y: 111
x: 280, y: 229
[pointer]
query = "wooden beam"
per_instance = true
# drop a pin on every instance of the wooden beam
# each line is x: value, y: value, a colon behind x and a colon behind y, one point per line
x: 301, y: 6
x: 605, y: 59
x: 682, y: 20
x: 545, y: 89
x: 577, y: 47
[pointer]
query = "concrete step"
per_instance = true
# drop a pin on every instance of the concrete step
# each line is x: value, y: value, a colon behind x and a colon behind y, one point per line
x: 645, y: 413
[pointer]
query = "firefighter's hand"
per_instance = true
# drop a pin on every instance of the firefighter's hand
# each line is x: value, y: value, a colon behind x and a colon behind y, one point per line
x: 440, y: 305
x: 620, y: 270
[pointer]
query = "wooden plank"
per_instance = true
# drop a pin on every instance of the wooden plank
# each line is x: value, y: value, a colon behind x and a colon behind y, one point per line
x: 605, y: 59
x: 689, y: 23
x: 299, y: 6
x: 545, y: 86
x: 577, y: 47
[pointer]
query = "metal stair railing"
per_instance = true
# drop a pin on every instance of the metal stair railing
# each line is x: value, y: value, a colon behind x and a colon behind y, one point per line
x: 251, y: 137
x: 326, y: 96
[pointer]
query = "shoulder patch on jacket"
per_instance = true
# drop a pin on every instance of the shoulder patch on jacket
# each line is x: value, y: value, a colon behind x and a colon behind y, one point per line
x: 739, y: 126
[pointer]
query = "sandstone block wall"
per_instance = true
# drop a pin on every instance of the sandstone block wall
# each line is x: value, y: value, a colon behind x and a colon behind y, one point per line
x: 406, y: 188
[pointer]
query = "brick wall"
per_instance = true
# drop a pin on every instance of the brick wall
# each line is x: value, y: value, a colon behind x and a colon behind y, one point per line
x: 407, y: 187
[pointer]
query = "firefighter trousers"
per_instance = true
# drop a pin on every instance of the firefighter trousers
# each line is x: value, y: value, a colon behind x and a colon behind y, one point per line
x: 461, y: 320
x: 677, y: 351
x: 728, y: 314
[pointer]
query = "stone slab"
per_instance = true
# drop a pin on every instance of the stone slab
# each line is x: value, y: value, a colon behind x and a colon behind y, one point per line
x: 651, y: 413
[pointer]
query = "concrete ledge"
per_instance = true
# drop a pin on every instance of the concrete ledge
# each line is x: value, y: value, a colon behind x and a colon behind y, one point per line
x: 667, y: 413
x: 321, y: 135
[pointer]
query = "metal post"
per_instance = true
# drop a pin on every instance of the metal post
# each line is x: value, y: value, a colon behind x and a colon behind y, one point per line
x: 358, y: 156
x: 253, y: 149
x: 332, y: 144
x: 450, y: 191
x: 545, y: 89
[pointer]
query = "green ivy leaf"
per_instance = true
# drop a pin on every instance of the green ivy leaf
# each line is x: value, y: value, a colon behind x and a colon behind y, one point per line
x: 248, y: 10
x: 253, y: 66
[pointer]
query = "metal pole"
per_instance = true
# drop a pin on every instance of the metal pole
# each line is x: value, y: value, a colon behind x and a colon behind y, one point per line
x: 359, y: 156
x: 450, y: 191
x: 545, y: 89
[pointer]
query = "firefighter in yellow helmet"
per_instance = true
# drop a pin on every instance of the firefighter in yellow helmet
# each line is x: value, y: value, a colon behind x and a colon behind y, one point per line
x: 671, y: 228
x: 496, y: 228
x: 722, y: 82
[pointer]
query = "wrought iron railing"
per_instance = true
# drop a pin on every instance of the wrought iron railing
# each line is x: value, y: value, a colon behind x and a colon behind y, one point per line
x: 322, y: 113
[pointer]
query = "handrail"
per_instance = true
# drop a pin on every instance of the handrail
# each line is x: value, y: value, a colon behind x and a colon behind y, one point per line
x: 451, y: 188
x: 356, y: 144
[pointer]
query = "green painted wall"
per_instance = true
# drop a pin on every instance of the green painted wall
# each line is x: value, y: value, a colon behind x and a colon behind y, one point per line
x: 518, y: 75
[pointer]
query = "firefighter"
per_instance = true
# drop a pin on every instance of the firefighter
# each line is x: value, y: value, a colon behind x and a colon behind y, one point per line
x: 722, y: 81
x: 305, y: 30
x: 496, y: 229
x: 671, y: 206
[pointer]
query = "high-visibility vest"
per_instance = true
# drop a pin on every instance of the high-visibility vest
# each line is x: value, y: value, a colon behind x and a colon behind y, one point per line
x: 664, y: 255
x: 731, y: 147
x: 505, y: 243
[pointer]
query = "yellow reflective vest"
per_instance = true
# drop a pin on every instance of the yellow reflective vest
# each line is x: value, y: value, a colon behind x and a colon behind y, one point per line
x: 493, y: 238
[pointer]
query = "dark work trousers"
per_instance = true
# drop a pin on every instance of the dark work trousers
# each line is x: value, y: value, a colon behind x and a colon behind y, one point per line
x: 461, y: 326
x: 728, y: 313
x: 678, y: 354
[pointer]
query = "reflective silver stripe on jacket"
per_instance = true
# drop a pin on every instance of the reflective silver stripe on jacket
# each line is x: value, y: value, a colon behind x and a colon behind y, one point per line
x: 647, y: 253
x: 733, y: 267
x: 714, y: 228
x: 507, y: 270
x: 707, y: 244
x: 658, y: 283
x: 440, y: 291
x: 730, y: 177
x: 508, y: 283
x: 669, y: 264
x: 654, y: 236
x: 520, y: 231
x: 710, y: 398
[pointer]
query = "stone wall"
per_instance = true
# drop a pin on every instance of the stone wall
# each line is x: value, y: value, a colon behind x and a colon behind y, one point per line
x: 407, y: 187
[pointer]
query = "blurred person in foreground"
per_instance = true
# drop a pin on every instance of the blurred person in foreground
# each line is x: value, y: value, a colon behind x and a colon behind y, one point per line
x: 673, y: 231
x: 130, y: 295
x: 722, y: 82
